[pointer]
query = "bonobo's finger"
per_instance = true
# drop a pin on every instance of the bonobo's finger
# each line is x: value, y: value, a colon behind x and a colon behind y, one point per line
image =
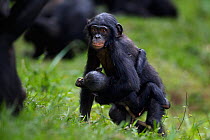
x: 80, y: 82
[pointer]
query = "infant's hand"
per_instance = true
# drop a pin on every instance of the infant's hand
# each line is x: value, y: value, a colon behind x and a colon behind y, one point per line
x: 80, y: 82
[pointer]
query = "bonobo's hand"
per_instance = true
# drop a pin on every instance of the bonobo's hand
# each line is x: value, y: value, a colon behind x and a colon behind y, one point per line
x: 80, y: 82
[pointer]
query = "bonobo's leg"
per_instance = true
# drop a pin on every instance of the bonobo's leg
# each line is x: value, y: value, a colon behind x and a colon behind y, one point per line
x: 151, y: 90
x: 154, y: 115
x: 154, y: 100
x: 86, y: 101
x: 158, y: 95
x: 11, y: 91
x: 136, y: 103
x: 131, y: 104
x: 86, y: 96
x: 118, y: 114
x: 150, y: 98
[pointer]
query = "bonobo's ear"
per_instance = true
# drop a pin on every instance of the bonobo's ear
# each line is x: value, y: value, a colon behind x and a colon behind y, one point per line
x: 119, y: 29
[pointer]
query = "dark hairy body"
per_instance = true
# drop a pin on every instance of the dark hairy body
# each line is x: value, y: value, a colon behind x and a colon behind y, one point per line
x: 60, y: 23
x: 143, y: 8
x: 13, y: 22
x: 130, y: 75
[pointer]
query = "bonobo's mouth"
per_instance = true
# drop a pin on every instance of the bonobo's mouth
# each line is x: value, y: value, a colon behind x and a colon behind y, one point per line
x: 98, y: 45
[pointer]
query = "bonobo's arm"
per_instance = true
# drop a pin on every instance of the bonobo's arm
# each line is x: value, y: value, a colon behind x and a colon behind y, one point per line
x: 141, y: 60
x: 126, y: 80
x: 92, y: 61
x: 21, y: 17
x: 86, y: 96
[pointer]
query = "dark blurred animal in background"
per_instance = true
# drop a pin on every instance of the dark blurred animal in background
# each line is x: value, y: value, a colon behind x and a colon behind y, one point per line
x: 60, y: 22
x: 130, y: 80
x: 143, y: 8
x: 4, y: 8
x: 12, y: 24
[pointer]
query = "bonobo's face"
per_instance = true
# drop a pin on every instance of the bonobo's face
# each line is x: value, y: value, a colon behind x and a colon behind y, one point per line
x: 100, y: 35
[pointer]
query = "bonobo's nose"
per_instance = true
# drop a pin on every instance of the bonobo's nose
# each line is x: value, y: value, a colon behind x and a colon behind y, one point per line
x: 97, y: 36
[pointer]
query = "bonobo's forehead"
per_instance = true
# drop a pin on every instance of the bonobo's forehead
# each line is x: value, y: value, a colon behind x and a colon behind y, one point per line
x: 98, y: 26
x: 104, y: 19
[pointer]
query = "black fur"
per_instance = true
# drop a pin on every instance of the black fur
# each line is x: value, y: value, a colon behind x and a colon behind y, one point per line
x: 144, y: 8
x: 60, y: 23
x: 4, y: 8
x: 12, y: 26
x: 130, y: 76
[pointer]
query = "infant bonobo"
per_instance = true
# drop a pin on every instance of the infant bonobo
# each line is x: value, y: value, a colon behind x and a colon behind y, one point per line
x: 96, y: 81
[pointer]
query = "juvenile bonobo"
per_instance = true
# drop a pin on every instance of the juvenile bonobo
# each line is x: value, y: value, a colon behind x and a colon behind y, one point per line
x: 119, y: 58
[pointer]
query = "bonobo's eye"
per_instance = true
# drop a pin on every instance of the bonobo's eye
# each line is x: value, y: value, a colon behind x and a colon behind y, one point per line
x: 104, y: 30
x: 93, y: 30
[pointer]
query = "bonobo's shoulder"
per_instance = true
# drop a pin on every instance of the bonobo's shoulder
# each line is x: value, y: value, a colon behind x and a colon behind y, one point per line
x: 125, y: 38
x: 124, y: 45
x: 127, y: 42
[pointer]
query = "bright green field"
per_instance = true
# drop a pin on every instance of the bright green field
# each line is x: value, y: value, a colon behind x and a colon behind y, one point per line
x: 179, y: 49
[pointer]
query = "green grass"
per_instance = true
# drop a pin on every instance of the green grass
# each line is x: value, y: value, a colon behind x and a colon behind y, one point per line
x: 179, y: 49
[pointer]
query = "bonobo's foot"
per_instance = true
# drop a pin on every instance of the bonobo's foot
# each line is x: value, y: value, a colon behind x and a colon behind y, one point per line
x: 80, y: 82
